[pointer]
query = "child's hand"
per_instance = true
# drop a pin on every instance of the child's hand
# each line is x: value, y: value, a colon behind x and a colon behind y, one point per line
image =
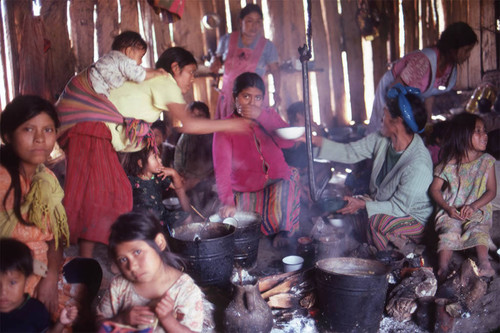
x: 454, y: 213
x: 164, y: 308
x: 139, y: 315
x: 169, y: 172
x: 68, y: 315
x: 467, y: 211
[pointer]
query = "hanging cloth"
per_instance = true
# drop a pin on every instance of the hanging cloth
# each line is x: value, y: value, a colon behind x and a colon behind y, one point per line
x: 238, y: 61
x: 171, y: 10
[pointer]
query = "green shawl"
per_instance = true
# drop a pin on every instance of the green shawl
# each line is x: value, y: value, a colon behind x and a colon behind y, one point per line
x: 42, y: 204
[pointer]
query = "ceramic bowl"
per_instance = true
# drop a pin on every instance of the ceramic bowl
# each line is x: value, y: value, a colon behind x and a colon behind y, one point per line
x: 290, y: 133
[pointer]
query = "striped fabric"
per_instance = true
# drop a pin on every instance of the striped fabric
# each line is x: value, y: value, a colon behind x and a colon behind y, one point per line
x: 384, y: 228
x: 96, y: 189
x: 278, y: 203
x: 79, y: 103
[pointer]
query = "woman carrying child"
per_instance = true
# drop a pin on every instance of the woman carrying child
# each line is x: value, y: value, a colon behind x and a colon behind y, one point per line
x: 151, y: 290
x: 97, y: 189
x: 31, y: 210
x: 464, y: 217
x: 149, y: 179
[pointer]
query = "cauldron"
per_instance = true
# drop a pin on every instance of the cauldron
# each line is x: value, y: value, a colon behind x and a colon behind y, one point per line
x: 207, y: 249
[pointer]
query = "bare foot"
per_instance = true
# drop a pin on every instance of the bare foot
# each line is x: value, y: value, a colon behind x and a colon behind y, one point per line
x: 486, y: 270
x: 281, y: 239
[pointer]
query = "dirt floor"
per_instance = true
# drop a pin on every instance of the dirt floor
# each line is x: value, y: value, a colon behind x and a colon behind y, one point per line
x: 485, y: 317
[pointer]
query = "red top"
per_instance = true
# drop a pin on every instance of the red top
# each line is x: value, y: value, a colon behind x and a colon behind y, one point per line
x: 245, y: 162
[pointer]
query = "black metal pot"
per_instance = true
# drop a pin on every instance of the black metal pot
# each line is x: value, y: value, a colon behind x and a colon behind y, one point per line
x: 207, y: 249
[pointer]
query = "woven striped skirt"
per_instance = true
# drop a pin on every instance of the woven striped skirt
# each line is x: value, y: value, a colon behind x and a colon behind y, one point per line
x: 278, y: 203
x: 385, y: 228
x: 96, y: 189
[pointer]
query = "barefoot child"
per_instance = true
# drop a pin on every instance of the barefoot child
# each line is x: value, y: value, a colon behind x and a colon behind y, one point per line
x: 464, y: 218
x: 151, y: 290
x: 149, y: 179
x: 18, y: 311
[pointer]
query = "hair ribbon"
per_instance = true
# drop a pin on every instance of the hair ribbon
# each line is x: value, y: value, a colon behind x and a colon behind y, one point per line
x: 400, y: 91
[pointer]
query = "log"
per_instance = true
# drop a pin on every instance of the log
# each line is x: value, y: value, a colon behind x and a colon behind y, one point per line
x: 282, y: 301
x: 267, y: 282
x: 283, y: 287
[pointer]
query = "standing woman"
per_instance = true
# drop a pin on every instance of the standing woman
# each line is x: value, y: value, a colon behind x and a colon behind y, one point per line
x: 242, y: 51
x: 250, y: 170
x: 427, y: 69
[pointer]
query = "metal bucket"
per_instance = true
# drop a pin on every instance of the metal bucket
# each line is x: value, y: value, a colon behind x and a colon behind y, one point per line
x: 207, y: 249
x: 351, y: 293
x: 246, y: 239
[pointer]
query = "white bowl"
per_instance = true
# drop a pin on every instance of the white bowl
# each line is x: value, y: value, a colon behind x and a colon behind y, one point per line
x: 292, y: 263
x: 290, y: 133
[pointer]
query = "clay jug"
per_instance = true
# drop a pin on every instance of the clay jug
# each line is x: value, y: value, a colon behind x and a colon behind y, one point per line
x: 248, y: 311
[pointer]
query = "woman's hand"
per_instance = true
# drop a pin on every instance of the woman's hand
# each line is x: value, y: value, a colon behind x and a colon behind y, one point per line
x: 249, y: 111
x: 46, y: 292
x: 353, y: 205
x: 138, y: 315
x: 227, y: 211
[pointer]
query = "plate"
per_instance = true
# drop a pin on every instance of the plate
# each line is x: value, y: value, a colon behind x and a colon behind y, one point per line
x: 290, y: 133
x: 172, y: 203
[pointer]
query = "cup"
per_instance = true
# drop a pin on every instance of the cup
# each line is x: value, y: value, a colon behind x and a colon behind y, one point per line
x: 292, y: 263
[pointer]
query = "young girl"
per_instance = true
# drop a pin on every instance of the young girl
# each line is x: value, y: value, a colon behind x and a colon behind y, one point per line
x: 151, y: 289
x: 149, y: 179
x: 464, y: 218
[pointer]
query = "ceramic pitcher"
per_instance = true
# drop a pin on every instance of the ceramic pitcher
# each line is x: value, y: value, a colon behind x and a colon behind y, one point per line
x: 248, y: 311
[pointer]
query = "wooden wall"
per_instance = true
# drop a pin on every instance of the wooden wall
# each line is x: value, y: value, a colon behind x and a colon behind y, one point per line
x: 45, y: 72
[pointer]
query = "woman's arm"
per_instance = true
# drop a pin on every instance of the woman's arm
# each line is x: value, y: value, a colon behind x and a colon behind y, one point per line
x: 46, y: 290
x: 222, y: 157
x: 194, y: 125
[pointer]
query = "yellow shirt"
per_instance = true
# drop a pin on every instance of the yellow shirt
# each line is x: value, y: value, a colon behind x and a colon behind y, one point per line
x: 145, y: 101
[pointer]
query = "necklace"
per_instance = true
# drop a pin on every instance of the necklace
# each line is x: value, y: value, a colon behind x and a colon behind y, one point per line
x: 144, y: 177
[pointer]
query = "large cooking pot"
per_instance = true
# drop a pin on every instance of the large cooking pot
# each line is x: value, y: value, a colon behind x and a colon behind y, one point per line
x: 351, y: 293
x: 207, y: 249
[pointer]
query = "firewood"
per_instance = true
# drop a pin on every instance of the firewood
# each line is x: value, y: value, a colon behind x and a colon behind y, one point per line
x: 308, y: 300
x: 282, y: 301
x: 283, y: 287
x: 267, y: 282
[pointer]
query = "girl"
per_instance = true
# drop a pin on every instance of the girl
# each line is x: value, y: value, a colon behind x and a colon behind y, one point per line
x: 30, y: 200
x: 149, y: 179
x: 151, y: 289
x: 464, y: 218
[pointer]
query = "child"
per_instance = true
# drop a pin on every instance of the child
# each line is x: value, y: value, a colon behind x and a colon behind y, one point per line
x: 18, y: 311
x: 464, y: 218
x: 122, y: 64
x: 151, y: 289
x: 436, y: 138
x: 149, y: 179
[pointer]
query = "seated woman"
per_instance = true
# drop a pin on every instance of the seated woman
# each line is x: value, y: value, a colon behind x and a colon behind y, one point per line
x: 398, y: 205
x: 31, y: 210
x: 250, y: 171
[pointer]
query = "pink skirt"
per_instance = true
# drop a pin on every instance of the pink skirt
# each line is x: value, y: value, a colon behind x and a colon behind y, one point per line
x: 97, y: 189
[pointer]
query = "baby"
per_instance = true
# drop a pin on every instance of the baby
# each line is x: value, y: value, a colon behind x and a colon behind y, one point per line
x: 122, y: 64
x: 18, y: 311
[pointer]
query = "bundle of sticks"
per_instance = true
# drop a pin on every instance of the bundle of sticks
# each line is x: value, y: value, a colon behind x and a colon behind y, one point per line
x: 290, y: 290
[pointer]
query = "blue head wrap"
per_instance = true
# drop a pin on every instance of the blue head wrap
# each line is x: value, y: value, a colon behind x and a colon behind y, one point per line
x: 400, y: 91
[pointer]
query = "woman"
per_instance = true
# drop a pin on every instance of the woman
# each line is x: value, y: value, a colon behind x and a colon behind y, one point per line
x: 398, y: 205
x: 245, y: 51
x: 428, y: 69
x: 250, y: 171
x: 97, y: 189
x: 30, y: 196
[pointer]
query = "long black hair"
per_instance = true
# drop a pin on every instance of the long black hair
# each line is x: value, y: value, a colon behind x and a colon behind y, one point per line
x: 175, y: 54
x: 455, y: 36
x: 459, y: 138
x: 131, y: 161
x: 20, y: 110
x: 140, y: 226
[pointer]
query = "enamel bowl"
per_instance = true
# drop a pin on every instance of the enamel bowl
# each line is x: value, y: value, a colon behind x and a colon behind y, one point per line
x: 290, y: 133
